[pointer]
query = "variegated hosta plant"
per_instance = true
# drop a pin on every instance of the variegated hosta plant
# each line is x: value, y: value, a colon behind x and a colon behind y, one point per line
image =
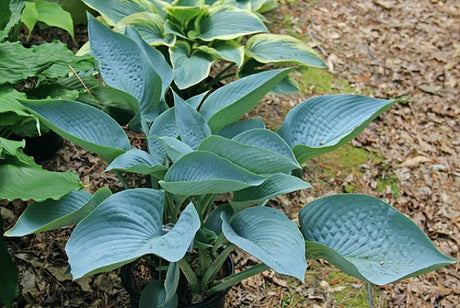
x: 201, y: 148
x: 193, y: 35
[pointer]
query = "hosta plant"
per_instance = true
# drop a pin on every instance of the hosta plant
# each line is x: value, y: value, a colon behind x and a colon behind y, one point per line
x: 201, y: 148
x: 193, y: 35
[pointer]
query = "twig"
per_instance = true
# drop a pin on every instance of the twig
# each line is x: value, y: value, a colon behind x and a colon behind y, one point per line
x: 316, y: 42
x: 374, y: 63
x: 84, y: 85
x: 369, y: 295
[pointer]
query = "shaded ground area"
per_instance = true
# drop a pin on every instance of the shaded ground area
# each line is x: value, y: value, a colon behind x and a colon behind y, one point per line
x: 409, y: 157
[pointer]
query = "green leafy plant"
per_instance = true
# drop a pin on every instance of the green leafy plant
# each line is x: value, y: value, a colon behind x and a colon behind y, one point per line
x: 194, y: 35
x: 200, y: 148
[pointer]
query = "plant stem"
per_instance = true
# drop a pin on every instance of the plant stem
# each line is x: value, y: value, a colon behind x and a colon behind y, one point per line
x: 217, y: 243
x: 216, y: 265
x: 369, y: 295
x: 122, y: 179
x: 189, y: 275
x: 235, y: 278
x: 221, y: 75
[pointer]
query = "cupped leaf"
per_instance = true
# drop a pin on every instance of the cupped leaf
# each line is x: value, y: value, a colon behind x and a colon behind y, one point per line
x: 367, y: 238
x: 269, y: 47
x: 138, y: 161
x: 154, y: 295
x: 175, y: 148
x: 54, y: 214
x: 50, y: 13
x: 255, y: 159
x: 115, y: 10
x: 201, y: 172
x: 322, y: 124
x: 27, y: 182
x: 228, y: 104
x: 277, y: 184
x: 165, y: 125
x: 237, y: 128
x: 126, y: 226
x: 227, y: 23
x: 230, y: 50
x: 192, y: 127
x: 266, y: 139
x: 125, y: 65
x: 190, y: 66
x: 83, y: 125
x: 270, y: 236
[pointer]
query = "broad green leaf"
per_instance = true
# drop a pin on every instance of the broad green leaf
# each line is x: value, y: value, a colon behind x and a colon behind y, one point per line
x: 165, y: 125
x: 237, y: 128
x: 227, y: 23
x: 270, y: 236
x: 229, y: 103
x: 29, y: 182
x: 156, y: 149
x: 192, y: 127
x: 266, y: 139
x: 190, y: 66
x: 83, y: 125
x: 126, y: 226
x: 154, y: 295
x: 115, y: 10
x: 138, y: 161
x: 269, y: 48
x: 322, y: 124
x: 13, y: 116
x: 124, y: 65
x: 50, y: 13
x: 156, y: 59
x: 11, y: 148
x: 9, y: 273
x: 18, y: 63
x: 367, y: 238
x: 12, y: 11
x: 175, y: 148
x: 150, y: 26
x: 228, y: 50
x: 255, y: 159
x: 277, y: 184
x: 200, y: 172
x: 183, y: 15
x: 54, y: 214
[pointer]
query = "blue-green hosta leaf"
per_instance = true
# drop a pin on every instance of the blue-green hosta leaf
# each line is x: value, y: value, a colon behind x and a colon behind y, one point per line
x: 200, y: 172
x: 54, y: 214
x: 9, y: 273
x: 50, y: 13
x: 138, y: 161
x: 156, y: 149
x: 269, y: 47
x: 155, y: 295
x: 115, y: 10
x: 277, y: 184
x: 367, y: 238
x: 227, y: 23
x: 156, y: 59
x: 150, y: 26
x: 214, y: 221
x: 12, y: 11
x: 126, y: 226
x: 271, y: 237
x: 175, y: 148
x: 228, y: 50
x: 192, y: 127
x: 255, y: 159
x: 83, y: 125
x: 165, y: 125
x: 124, y: 65
x: 266, y: 139
x: 195, y: 101
x: 27, y: 182
x: 190, y: 66
x: 237, y: 128
x: 322, y: 124
x: 229, y: 103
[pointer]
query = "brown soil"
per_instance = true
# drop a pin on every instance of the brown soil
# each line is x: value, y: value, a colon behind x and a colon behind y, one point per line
x: 383, y: 48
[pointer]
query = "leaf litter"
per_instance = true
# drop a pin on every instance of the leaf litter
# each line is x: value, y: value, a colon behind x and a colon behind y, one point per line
x: 386, y: 49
